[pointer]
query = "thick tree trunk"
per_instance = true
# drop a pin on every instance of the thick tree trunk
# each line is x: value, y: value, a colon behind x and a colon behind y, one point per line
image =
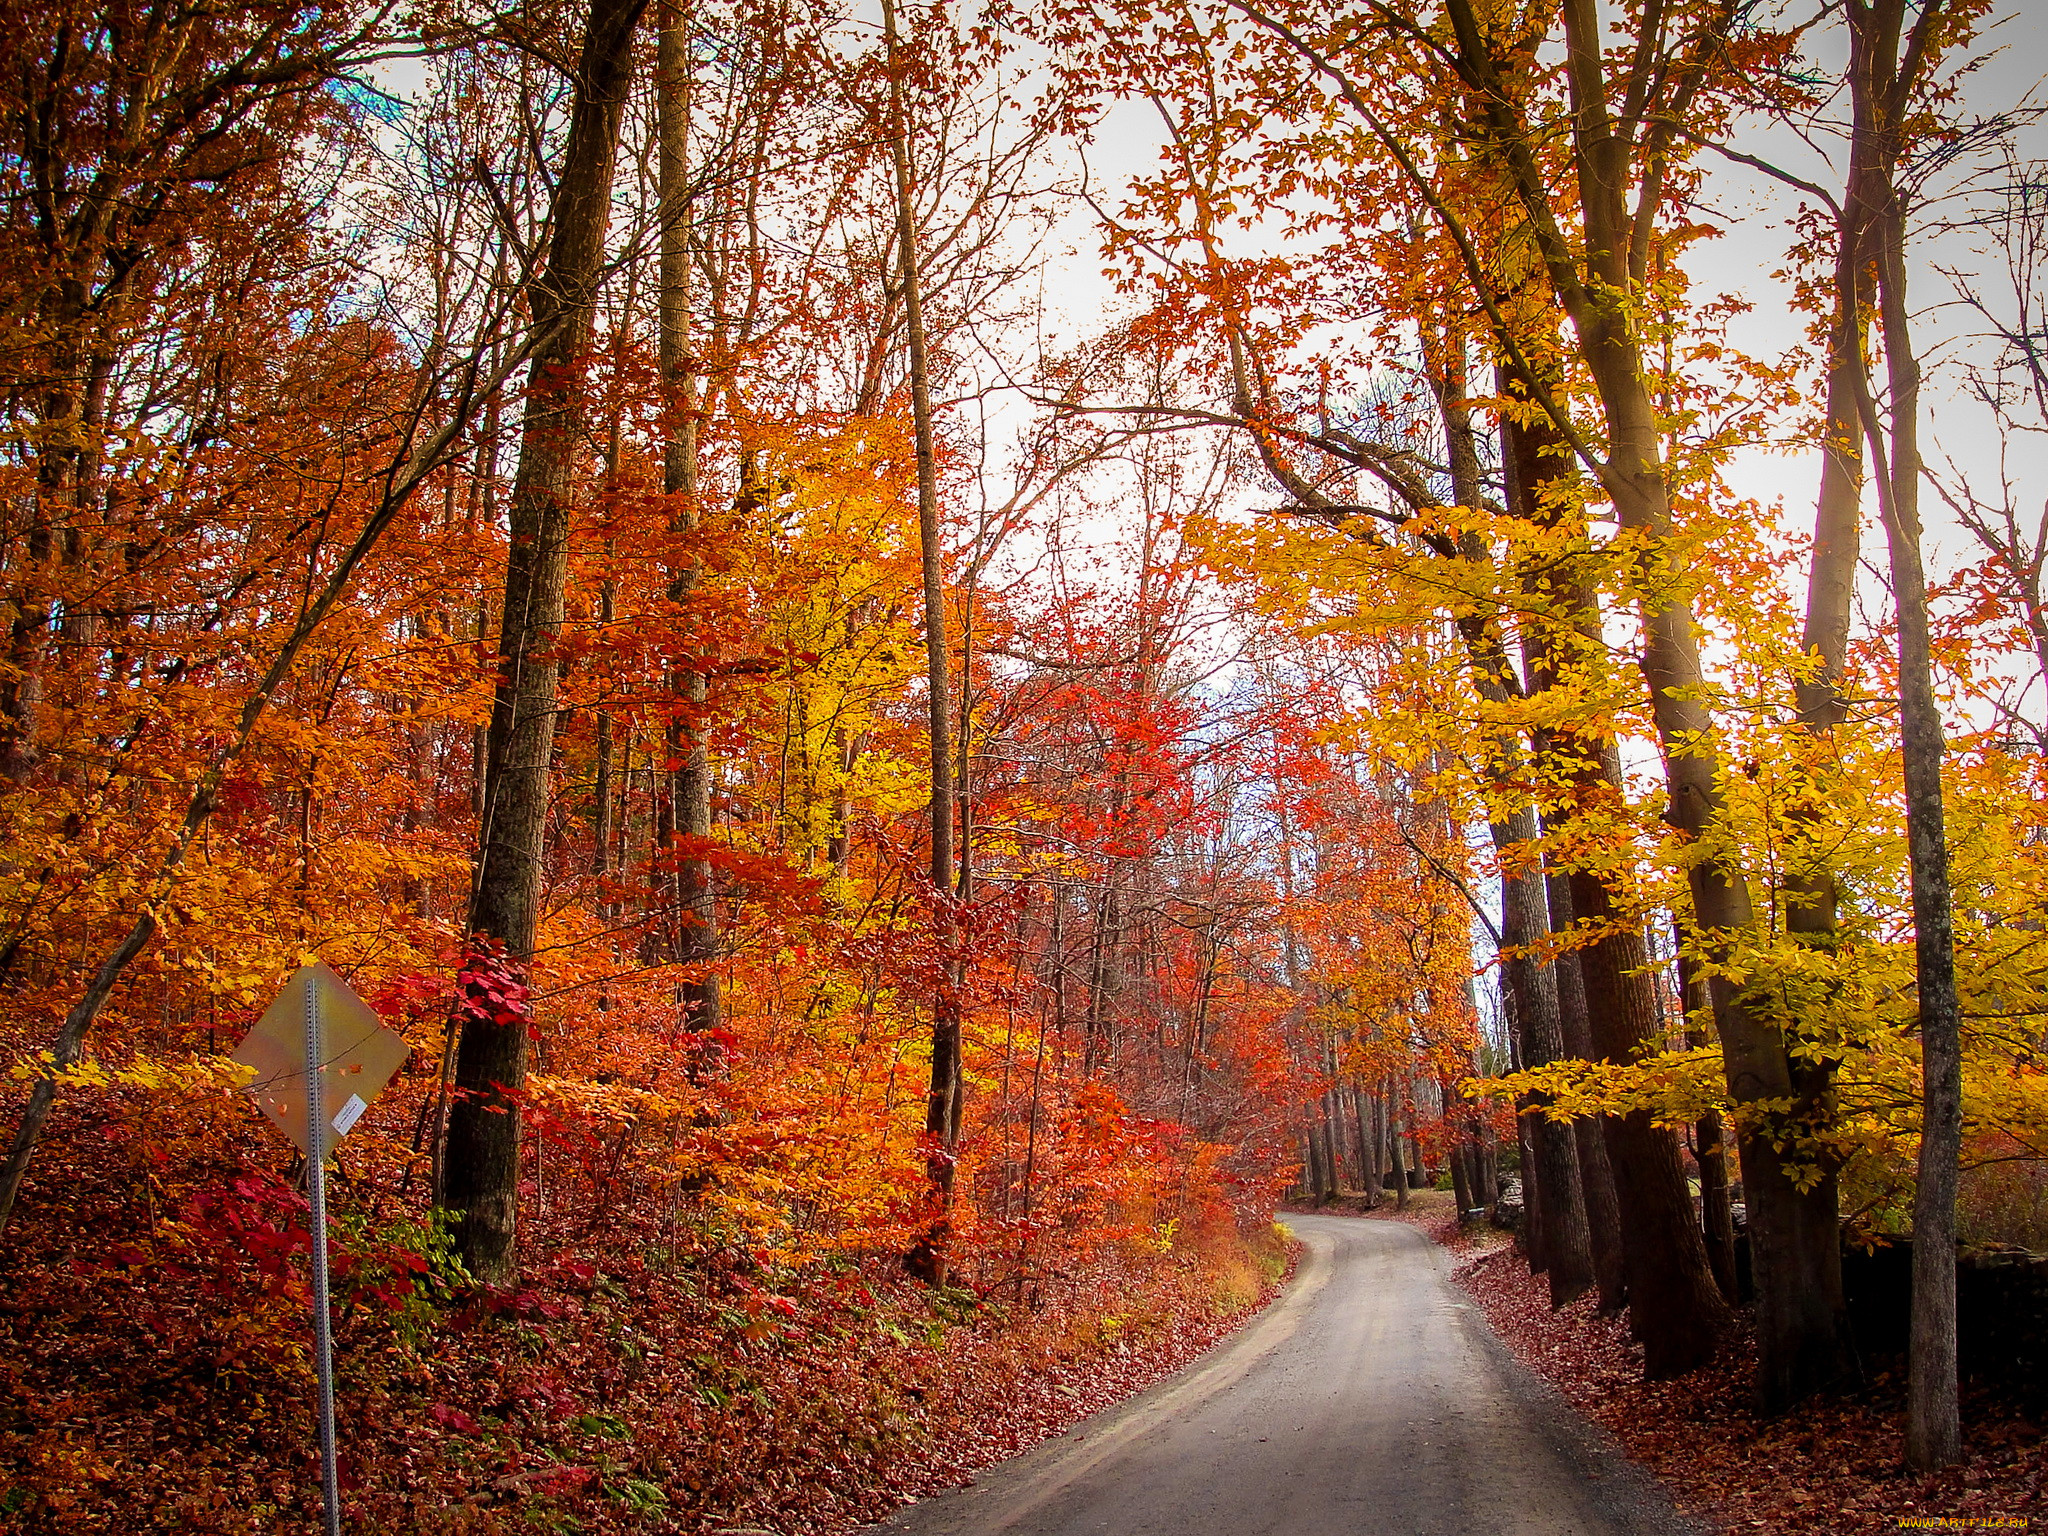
x: 1461, y: 1181
x: 1599, y: 287
x: 1806, y: 1348
x: 1396, y: 1159
x: 482, y: 1159
x: 1369, y: 1171
x: 1559, y: 1246
x: 1675, y: 1305
x: 1560, y: 1243
x: 1596, y: 1174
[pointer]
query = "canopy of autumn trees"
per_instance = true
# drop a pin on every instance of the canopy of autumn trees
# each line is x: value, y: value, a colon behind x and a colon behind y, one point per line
x: 452, y: 452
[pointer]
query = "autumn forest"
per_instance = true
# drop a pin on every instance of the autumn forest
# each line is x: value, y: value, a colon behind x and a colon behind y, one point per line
x: 930, y: 656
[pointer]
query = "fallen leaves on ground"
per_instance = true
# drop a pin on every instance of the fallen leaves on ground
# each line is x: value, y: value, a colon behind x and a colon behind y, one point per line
x: 620, y: 1388
x: 1828, y: 1468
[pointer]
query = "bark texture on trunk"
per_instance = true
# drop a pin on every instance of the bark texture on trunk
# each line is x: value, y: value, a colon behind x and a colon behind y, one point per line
x: 696, y: 898
x: 482, y: 1157
x: 1933, y: 1417
x: 1657, y: 1257
x: 1599, y: 289
x: 1675, y: 1306
x: 1370, y: 1171
x: 1461, y: 1181
x: 1395, y: 1156
x: 1532, y: 1196
x: 927, y: 1258
x: 1561, y: 1241
x: 1596, y: 1173
x: 1717, y: 1215
x: 1808, y: 1348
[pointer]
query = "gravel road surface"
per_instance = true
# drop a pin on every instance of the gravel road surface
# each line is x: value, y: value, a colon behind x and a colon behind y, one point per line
x: 1371, y: 1399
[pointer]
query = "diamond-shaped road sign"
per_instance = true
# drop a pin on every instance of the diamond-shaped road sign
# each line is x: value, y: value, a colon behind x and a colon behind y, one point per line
x: 317, y: 1026
x: 357, y: 1055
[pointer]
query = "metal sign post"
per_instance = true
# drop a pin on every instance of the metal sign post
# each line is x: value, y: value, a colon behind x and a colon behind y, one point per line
x: 317, y: 1028
x: 316, y: 1186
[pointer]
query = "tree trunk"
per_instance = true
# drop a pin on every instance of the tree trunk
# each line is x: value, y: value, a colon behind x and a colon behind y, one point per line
x: 1489, y: 1169
x: 1613, y: 1009
x: 1461, y: 1181
x: 1808, y: 1348
x: 1596, y: 1174
x: 1333, y: 1162
x: 1394, y: 1154
x: 1560, y: 1243
x: 1933, y: 1422
x: 482, y: 1159
x: 1717, y: 1218
x: 1333, y: 1133
x: 1532, y: 1196
x: 1674, y: 1303
x: 1600, y: 288
x: 927, y: 1258
x: 1717, y: 1215
x: 1102, y: 965
x: 696, y: 935
x: 1369, y: 1171
x: 1559, y: 1246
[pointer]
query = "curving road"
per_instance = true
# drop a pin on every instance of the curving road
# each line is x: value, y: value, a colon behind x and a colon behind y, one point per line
x: 1370, y: 1400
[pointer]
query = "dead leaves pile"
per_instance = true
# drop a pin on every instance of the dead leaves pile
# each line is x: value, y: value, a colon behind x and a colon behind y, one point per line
x: 1829, y: 1468
x: 619, y: 1389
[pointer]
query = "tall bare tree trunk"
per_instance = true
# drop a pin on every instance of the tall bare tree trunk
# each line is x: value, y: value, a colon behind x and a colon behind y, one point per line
x: 943, y: 1104
x: 1796, y: 1353
x: 697, y: 942
x: 1675, y: 1308
x: 1883, y: 92
x: 482, y: 1159
x: 1559, y: 1245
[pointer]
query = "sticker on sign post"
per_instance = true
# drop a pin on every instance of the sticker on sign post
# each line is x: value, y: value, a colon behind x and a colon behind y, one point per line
x: 351, y: 1112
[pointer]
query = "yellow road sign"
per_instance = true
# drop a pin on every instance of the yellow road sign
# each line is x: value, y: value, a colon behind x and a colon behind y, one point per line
x: 357, y: 1055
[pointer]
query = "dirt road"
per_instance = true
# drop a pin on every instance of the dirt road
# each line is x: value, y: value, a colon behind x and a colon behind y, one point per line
x: 1370, y: 1400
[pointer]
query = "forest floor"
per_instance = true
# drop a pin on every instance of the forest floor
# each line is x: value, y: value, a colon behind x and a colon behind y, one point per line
x: 154, y: 1376
x: 731, y: 1414
x: 1829, y: 1468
